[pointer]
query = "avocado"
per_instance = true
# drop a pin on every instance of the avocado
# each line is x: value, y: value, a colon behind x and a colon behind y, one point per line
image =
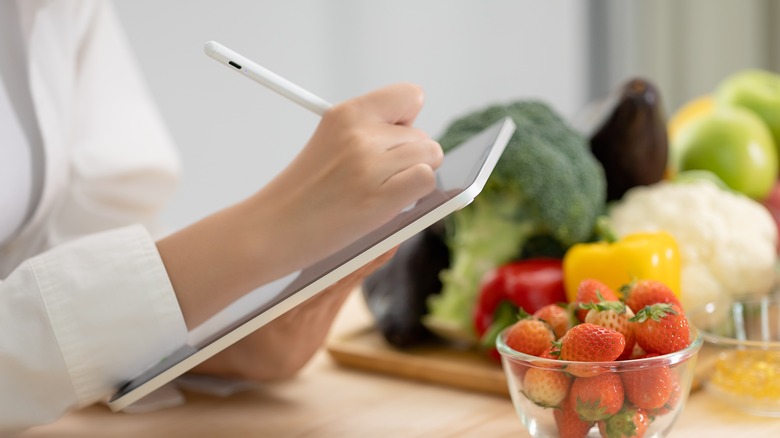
x: 396, y: 294
x: 632, y: 143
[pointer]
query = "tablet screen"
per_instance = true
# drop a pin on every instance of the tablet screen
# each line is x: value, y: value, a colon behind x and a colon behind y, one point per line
x: 460, y: 178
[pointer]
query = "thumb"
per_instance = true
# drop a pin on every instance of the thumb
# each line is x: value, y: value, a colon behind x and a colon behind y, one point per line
x: 397, y: 104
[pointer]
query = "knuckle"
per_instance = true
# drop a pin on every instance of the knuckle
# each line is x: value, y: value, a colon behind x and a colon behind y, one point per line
x: 344, y: 112
x: 418, y: 134
x: 413, y: 90
x: 424, y: 176
x: 437, y: 153
x: 353, y: 136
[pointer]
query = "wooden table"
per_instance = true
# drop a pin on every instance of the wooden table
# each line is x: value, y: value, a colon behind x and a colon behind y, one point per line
x: 327, y: 400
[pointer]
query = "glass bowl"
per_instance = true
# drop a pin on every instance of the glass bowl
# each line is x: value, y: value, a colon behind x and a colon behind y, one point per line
x: 741, y: 353
x: 547, y: 416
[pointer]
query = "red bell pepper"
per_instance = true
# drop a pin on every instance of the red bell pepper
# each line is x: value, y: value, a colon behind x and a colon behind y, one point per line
x: 525, y: 284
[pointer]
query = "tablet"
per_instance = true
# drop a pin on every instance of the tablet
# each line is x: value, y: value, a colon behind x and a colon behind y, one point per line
x: 461, y: 176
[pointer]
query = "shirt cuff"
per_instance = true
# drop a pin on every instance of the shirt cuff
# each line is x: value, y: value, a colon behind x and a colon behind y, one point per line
x: 112, y: 308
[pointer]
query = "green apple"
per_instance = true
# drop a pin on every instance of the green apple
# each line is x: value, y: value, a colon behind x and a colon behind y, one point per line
x: 734, y: 144
x: 756, y: 90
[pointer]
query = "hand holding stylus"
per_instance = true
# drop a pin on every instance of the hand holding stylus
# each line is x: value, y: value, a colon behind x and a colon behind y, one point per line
x: 364, y: 163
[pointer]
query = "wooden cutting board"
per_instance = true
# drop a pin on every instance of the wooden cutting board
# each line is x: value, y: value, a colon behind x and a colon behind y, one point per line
x: 439, y: 363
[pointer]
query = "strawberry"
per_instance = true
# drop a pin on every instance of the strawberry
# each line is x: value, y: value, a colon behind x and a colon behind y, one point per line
x: 598, y: 397
x: 643, y: 293
x: 551, y: 353
x: 649, y: 388
x: 661, y: 328
x: 591, y: 343
x: 629, y: 422
x: 569, y: 423
x: 613, y: 315
x: 674, y: 397
x: 592, y: 291
x: 545, y: 387
x: 530, y: 336
x: 559, y: 317
x: 638, y: 351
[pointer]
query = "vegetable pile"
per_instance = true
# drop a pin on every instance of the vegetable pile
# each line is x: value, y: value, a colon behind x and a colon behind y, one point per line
x: 546, y: 187
x: 610, y: 203
x: 727, y: 241
x: 544, y: 195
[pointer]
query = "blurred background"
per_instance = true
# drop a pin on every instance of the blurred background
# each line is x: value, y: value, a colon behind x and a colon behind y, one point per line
x: 234, y: 135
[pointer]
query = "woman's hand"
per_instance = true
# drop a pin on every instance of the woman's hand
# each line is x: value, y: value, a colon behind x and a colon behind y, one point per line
x: 364, y: 164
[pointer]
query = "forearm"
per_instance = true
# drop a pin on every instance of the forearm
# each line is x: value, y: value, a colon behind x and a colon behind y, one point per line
x: 213, y: 262
x: 282, y: 347
x: 285, y: 345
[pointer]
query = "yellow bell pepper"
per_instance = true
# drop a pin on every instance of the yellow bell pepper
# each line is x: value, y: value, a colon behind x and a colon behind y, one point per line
x: 637, y: 256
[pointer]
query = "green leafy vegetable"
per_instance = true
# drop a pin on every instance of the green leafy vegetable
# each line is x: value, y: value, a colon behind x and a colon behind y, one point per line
x: 547, y: 183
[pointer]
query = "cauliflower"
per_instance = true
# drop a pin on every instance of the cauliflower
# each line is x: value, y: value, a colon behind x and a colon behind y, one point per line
x: 727, y: 241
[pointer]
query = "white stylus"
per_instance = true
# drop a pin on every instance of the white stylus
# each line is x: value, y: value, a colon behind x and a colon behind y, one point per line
x: 266, y: 77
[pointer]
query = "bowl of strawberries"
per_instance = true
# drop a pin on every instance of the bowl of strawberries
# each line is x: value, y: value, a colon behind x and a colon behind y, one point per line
x: 619, y: 365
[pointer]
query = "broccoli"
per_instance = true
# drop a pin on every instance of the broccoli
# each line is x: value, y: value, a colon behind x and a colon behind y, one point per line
x: 547, y: 187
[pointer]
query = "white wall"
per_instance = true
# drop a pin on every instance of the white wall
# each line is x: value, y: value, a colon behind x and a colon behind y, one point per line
x: 685, y: 47
x: 234, y: 135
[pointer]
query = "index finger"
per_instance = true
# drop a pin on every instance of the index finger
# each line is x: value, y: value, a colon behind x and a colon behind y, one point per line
x: 397, y: 104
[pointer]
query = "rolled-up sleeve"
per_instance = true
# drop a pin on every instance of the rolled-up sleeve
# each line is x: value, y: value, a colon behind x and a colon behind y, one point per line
x: 80, y: 319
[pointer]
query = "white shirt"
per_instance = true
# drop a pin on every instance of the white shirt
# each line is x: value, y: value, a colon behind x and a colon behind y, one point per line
x: 85, y: 301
